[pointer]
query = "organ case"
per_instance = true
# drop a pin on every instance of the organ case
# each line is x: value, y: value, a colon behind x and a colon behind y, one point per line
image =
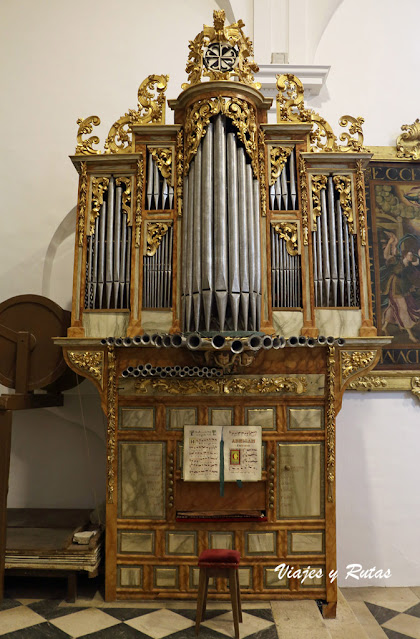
x: 221, y: 278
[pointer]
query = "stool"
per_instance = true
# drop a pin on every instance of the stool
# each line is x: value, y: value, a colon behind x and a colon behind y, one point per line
x: 219, y: 563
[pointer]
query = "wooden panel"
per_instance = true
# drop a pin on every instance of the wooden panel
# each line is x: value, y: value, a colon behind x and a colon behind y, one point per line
x: 142, y: 481
x: 205, y: 496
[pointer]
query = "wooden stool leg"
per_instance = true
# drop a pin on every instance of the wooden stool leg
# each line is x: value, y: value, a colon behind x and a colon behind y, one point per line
x: 206, y: 589
x: 200, y: 599
x: 238, y: 591
x: 234, y: 599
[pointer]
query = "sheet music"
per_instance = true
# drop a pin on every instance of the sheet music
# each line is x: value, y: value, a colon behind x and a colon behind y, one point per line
x: 241, y: 453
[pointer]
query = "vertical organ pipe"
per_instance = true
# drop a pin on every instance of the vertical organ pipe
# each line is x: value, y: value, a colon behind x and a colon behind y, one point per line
x: 332, y: 242
x: 207, y: 225
x: 109, y: 244
x: 101, y: 254
x: 149, y: 190
x: 233, y: 225
x: 184, y: 257
x: 325, y: 252
x: 117, y: 244
x: 339, y: 226
x: 190, y: 245
x: 251, y: 245
x: 243, y: 238
x: 220, y: 230
x: 292, y: 178
x: 196, y: 265
x: 257, y: 240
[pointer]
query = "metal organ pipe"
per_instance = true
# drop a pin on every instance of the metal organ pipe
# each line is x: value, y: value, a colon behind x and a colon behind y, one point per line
x: 334, y: 254
x: 233, y: 222
x: 243, y: 238
x: 207, y: 226
x: 221, y: 235
x: 220, y: 219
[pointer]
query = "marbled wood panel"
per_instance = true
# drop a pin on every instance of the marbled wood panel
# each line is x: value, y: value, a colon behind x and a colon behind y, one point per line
x: 300, y: 471
x: 221, y: 540
x: 260, y: 543
x: 287, y: 323
x: 264, y: 417
x: 137, y: 418
x: 305, y: 418
x: 221, y: 416
x: 338, y: 322
x: 197, y: 495
x: 314, y: 582
x: 303, y: 542
x: 141, y: 481
x: 130, y: 576
x: 136, y: 542
x: 105, y: 323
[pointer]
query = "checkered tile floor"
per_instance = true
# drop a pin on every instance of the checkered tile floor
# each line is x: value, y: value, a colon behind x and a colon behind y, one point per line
x: 33, y: 611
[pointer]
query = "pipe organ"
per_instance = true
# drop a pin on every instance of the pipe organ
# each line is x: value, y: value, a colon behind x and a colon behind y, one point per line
x: 210, y: 255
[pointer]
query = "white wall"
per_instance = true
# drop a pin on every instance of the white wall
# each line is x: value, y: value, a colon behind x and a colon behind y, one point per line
x: 62, y: 60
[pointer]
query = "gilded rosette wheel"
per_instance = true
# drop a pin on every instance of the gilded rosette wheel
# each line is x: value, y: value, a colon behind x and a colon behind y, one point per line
x: 42, y: 319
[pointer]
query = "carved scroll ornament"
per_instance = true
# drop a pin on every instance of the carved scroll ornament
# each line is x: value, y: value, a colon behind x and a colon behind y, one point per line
x: 240, y: 112
x: 291, y: 108
x: 289, y: 233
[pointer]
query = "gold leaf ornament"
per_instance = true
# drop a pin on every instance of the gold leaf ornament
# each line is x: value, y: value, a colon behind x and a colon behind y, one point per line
x: 234, y: 37
x: 85, y: 147
x: 155, y: 233
x: 289, y: 233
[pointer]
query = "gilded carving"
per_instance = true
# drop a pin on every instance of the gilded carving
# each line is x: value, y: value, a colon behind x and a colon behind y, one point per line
x: 85, y: 147
x: 90, y: 362
x: 126, y: 196
x: 319, y: 182
x: 261, y: 162
x: 151, y: 108
x: 155, y: 233
x: 239, y: 111
x: 289, y: 233
x: 119, y: 138
x: 82, y: 203
x: 355, y: 128
x: 331, y: 422
x: 408, y: 143
x: 235, y: 386
x: 304, y: 197
x: 179, y: 170
x: 353, y: 361
x: 99, y: 185
x: 111, y: 414
x: 278, y: 158
x: 238, y: 49
x: 360, y: 191
x: 291, y: 108
x: 163, y: 158
x: 228, y: 361
x: 415, y: 386
x: 343, y: 187
x: 139, y: 197
x: 368, y: 382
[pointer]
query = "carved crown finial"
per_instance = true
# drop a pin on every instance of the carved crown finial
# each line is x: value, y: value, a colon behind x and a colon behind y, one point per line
x: 221, y: 52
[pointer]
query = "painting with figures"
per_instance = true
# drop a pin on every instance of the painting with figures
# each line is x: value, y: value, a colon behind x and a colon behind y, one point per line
x: 393, y: 199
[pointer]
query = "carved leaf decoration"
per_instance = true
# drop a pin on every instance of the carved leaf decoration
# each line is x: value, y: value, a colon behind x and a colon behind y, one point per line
x: 291, y: 108
x: 155, y: 233
x: 232, y: 35
x: 119, y: 138
x: 408, y: 143
x: 85, y: 147
x: 288, y: 232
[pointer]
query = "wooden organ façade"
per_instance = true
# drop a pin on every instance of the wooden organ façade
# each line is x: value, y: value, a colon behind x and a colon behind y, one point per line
x: 221, y: 278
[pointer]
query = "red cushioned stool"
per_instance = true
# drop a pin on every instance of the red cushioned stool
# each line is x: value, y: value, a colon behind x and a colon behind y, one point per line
x: 219, y: 563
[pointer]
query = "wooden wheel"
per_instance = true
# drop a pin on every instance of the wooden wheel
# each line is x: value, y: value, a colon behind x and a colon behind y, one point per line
x: 43, y: 319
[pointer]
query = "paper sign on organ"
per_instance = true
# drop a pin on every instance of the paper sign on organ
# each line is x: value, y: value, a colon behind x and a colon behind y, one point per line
x: 241, y: 453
